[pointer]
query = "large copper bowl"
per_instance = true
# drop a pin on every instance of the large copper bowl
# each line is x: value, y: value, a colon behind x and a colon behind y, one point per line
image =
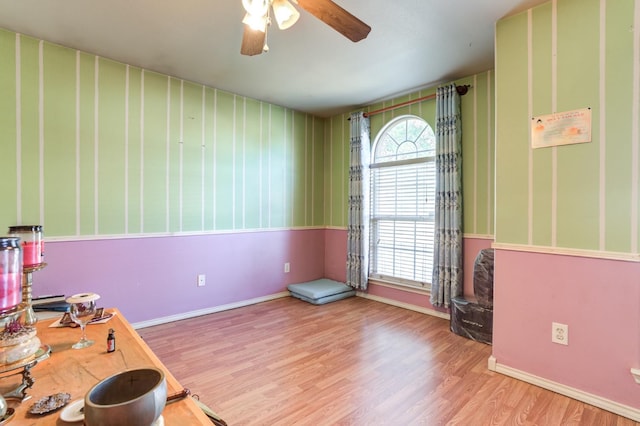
x: 134, y: 397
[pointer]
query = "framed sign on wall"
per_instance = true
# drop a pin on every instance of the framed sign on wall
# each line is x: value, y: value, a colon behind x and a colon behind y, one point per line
x: 562, y: 128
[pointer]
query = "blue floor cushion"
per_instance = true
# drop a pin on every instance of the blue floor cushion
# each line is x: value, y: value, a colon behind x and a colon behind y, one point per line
x: 321, y: 291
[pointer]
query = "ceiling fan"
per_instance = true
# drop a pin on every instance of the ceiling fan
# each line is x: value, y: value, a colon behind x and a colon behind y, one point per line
x: 258, y: 19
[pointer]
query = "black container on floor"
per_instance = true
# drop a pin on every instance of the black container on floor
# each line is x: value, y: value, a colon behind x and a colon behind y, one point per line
x: 470, y: 320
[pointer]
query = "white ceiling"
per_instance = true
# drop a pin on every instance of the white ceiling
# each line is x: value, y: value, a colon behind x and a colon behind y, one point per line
x: 310, y: 67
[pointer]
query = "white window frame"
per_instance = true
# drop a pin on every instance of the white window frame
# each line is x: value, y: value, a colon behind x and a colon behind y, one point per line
x: 424, y: 217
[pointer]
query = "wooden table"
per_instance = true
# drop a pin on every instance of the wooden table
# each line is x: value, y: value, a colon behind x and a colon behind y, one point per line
x: 75, y: 371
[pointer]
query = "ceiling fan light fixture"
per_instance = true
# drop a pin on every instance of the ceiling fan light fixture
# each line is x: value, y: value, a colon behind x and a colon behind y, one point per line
x: 286, y: 15
x: 258, y: 23
x: 256, y: 7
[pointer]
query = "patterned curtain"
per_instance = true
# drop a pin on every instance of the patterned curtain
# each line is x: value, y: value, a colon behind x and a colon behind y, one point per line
x: 358, y: 221
x: 447, y: 251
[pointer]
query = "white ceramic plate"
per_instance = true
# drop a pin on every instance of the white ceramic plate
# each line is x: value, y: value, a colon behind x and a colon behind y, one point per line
x: 73, y: 411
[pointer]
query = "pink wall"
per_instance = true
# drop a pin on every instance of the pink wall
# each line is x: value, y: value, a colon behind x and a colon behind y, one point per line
x: 598, y: 299
x: 150, y: 278
x: 335, y: 268
x: 335, y: 255
x: 472, y: 247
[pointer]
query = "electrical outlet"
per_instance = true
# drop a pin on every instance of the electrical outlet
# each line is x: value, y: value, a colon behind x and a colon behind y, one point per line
x: 287, y: 268
x: 201, y: 280
x: 560, y: 333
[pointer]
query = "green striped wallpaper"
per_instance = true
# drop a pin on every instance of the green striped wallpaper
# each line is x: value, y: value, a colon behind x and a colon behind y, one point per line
x: 477, y: 145
x: 560, y: 56
x: 93, y: 147
x: 104, y: 148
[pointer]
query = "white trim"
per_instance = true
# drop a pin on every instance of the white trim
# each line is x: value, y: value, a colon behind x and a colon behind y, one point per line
x: 346, y: 163
x: 260, y: 179
x: 313, y: 171
x: 126, y: 150
x: 233, y: 162
x: 176, y: 234
x: 331, y: 168
x: 18, y: 59
x: 215, y: 154
x: 181, y: 162
x: 495, y: 127
x: 78, y: 210
x: 41, y: 126
x: 424, y: 291
x: 554, y: 195
x: 408, y: 306
x: 284, y: 171
x: 479, y: 236
x: 492, y: 363
x: 292, y: 174
x: 603, y: 123
x: 96, y: 143
x: 475, y: 153
x: 490, y: 175
x: 67, y: 238
x: 529, y: 114
x: 635, y: 126
x: 142, y: 150
x: 269, y: 177
x: 580, y: 395
x: 167, y: 180
x: 409, y: 161
x: 636, y: 375
x: 596, y: 254
x: 306, y: 180
x: 244, y: 162
x: 554, y: 108
x: 207, y: 311
x: 203, y: 154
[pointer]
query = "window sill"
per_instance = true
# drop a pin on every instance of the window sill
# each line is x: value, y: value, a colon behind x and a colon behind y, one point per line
x: 400, y: 286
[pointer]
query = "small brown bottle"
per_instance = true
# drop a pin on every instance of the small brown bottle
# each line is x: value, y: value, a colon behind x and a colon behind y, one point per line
x: 111, y: 341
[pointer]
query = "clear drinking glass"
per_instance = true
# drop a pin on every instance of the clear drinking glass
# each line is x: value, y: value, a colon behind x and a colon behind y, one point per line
x: 82, y: 308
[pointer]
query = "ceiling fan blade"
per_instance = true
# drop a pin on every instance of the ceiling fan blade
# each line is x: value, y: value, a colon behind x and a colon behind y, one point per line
x: 252, y: 41
x: 337, y: 18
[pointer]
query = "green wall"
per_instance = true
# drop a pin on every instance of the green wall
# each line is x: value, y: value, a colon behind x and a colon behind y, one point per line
x: 93, y: 147
x: 477, y: 145
x: 557, y: 57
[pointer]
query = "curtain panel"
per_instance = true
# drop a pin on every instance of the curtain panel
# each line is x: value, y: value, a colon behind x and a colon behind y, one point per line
x: 358, y: 220
x: 447, y: 262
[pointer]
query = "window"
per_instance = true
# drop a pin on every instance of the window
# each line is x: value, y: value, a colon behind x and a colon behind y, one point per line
x: 403, y: 184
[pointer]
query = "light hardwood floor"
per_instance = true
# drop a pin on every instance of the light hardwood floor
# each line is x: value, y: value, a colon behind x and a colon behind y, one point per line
x: 351, y: 362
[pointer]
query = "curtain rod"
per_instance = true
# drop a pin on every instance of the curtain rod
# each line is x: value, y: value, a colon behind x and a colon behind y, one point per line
x: 462, y: 90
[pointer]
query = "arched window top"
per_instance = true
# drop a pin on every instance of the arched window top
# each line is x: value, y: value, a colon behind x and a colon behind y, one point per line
x: 404, y: 138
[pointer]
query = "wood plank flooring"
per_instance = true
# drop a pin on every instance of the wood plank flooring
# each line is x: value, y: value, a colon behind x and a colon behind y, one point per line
x: 351, y: 362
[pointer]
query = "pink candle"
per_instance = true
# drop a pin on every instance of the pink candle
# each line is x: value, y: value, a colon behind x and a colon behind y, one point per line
x: 31, y: 243
x: 10, y: 290
x: 31, y: 253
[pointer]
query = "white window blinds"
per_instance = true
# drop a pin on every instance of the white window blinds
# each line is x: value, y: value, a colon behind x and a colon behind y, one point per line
x: 402, y: 221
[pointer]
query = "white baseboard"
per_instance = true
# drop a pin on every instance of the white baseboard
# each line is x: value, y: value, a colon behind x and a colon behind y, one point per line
x: 492, y: 363
x: 206, y: 311
x: 595, y: 400
x: 415, y: 308
x: 240, y: 304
